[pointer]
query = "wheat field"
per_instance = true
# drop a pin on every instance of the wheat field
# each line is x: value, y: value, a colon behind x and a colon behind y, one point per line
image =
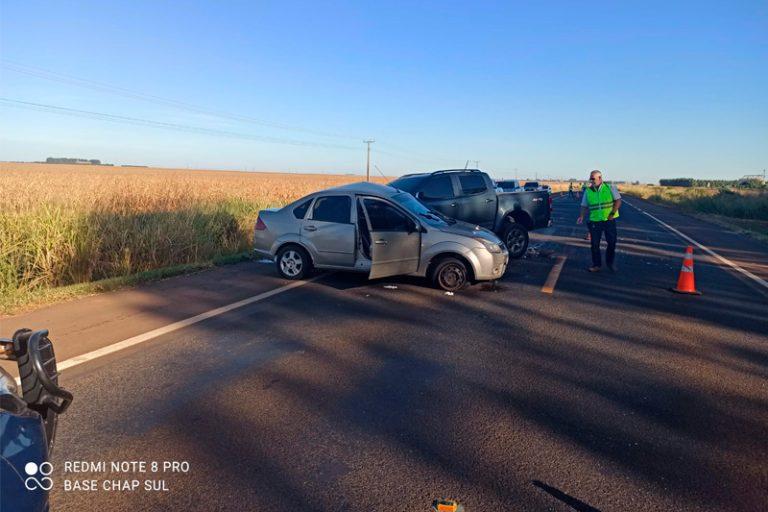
x: 66, y: 224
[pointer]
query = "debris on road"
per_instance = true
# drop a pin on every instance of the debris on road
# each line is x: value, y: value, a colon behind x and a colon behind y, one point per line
x: 533, y: 251
x: 537, y: 251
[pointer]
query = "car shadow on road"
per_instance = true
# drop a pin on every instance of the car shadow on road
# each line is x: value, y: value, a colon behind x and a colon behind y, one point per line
x: 577, y: 388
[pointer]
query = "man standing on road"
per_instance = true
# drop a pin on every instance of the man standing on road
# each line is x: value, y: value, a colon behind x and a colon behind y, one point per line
x: 602, y: 202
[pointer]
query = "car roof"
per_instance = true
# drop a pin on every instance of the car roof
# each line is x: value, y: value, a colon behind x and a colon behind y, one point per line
x: 364, y: 187
x: 443, y: 171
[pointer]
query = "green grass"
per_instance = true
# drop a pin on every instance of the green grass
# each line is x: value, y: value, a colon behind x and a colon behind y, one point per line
x: 53, y: 252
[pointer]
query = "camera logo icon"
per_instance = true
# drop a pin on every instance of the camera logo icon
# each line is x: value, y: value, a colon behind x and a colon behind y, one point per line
x: 32, y: 482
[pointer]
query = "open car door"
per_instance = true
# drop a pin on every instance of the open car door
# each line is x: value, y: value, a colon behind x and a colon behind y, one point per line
x: 395, y: 239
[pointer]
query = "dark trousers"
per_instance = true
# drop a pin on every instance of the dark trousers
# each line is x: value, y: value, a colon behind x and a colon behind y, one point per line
x: 596, y: 230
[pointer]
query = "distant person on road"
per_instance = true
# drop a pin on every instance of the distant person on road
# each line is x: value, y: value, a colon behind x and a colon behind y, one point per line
x: 570, y: 189
x: 601, y: 201
x: 579, y: 196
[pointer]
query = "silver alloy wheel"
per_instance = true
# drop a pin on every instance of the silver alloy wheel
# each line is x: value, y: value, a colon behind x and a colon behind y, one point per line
x: 291, y: 263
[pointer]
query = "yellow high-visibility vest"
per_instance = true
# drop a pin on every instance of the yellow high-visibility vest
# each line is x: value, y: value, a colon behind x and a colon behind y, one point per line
x: 600, y: 203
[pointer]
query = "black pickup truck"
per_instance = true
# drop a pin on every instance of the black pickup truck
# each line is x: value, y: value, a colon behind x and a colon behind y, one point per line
x: 470, y: 195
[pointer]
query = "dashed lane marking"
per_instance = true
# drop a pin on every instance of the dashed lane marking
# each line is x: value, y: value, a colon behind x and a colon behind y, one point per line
x: 554, y: 274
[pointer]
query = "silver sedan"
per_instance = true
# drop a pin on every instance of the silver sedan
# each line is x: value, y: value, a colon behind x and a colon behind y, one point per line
x: 381, y: 231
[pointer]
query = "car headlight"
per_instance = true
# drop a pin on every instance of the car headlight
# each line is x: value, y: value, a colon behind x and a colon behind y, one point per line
x: 492, y: 247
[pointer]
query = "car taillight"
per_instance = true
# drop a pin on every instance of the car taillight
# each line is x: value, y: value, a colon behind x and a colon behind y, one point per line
x: 260, y: 226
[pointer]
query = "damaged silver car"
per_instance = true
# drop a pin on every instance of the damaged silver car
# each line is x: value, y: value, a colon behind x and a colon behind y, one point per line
x: 378, y: 230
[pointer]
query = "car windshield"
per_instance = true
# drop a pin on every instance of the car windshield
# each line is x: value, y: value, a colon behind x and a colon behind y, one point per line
x: 411, y: 204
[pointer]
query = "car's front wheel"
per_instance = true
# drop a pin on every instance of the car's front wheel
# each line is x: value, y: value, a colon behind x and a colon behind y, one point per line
x: 515, y: 237
x: 450, y: 274
x: 293, y: 262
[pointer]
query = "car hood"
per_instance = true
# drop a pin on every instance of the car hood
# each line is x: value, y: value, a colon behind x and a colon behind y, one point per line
x: 471, y: 230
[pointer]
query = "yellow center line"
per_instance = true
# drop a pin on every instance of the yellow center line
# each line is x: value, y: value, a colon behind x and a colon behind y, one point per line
x: 554, y: 274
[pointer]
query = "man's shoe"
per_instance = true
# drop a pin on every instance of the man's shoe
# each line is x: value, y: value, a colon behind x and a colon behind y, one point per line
x: 594, y: 269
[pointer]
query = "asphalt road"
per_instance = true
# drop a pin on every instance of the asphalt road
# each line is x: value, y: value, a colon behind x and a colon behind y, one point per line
x: 609, y: 394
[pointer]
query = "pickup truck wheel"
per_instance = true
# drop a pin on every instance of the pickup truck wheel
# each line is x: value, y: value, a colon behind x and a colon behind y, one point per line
x: 515, y: 237
x: 292, y: 262
x: 450, y: 274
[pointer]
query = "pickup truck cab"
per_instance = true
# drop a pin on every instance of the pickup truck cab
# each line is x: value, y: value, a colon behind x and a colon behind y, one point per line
x: 470, y: 195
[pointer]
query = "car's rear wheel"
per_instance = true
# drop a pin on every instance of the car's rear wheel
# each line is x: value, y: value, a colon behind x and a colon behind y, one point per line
x: 515, y: 237
x: 450, y: 274
x: 293, y: 262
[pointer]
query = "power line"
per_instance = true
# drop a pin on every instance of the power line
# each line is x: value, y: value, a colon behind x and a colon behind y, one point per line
x: 412, y: 157
x: 377, y: 168
x: 55, y: 109
x: 68, y: 79
x: 403, y: 153
x: 158, y: 100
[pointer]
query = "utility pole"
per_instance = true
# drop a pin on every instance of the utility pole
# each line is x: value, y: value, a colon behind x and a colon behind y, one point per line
x: 368, y: 161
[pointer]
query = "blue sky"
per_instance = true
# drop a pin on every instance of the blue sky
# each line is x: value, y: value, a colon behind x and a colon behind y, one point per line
x: 641, y: 90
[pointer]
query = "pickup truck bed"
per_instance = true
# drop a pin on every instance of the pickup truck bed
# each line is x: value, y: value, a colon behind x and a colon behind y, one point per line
x: 470, y: 195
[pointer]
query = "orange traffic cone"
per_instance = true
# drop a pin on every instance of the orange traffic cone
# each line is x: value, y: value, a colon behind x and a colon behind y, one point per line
x: 685, y: 282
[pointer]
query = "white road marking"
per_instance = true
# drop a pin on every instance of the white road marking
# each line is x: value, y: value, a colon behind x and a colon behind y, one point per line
x: 554, y: 274
x: 704, y: 248
x: 141, y: 338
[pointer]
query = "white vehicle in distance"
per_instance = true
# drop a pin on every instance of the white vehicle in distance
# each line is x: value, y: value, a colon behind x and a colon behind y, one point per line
x: 531, y: 185
x: 509, y: 185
